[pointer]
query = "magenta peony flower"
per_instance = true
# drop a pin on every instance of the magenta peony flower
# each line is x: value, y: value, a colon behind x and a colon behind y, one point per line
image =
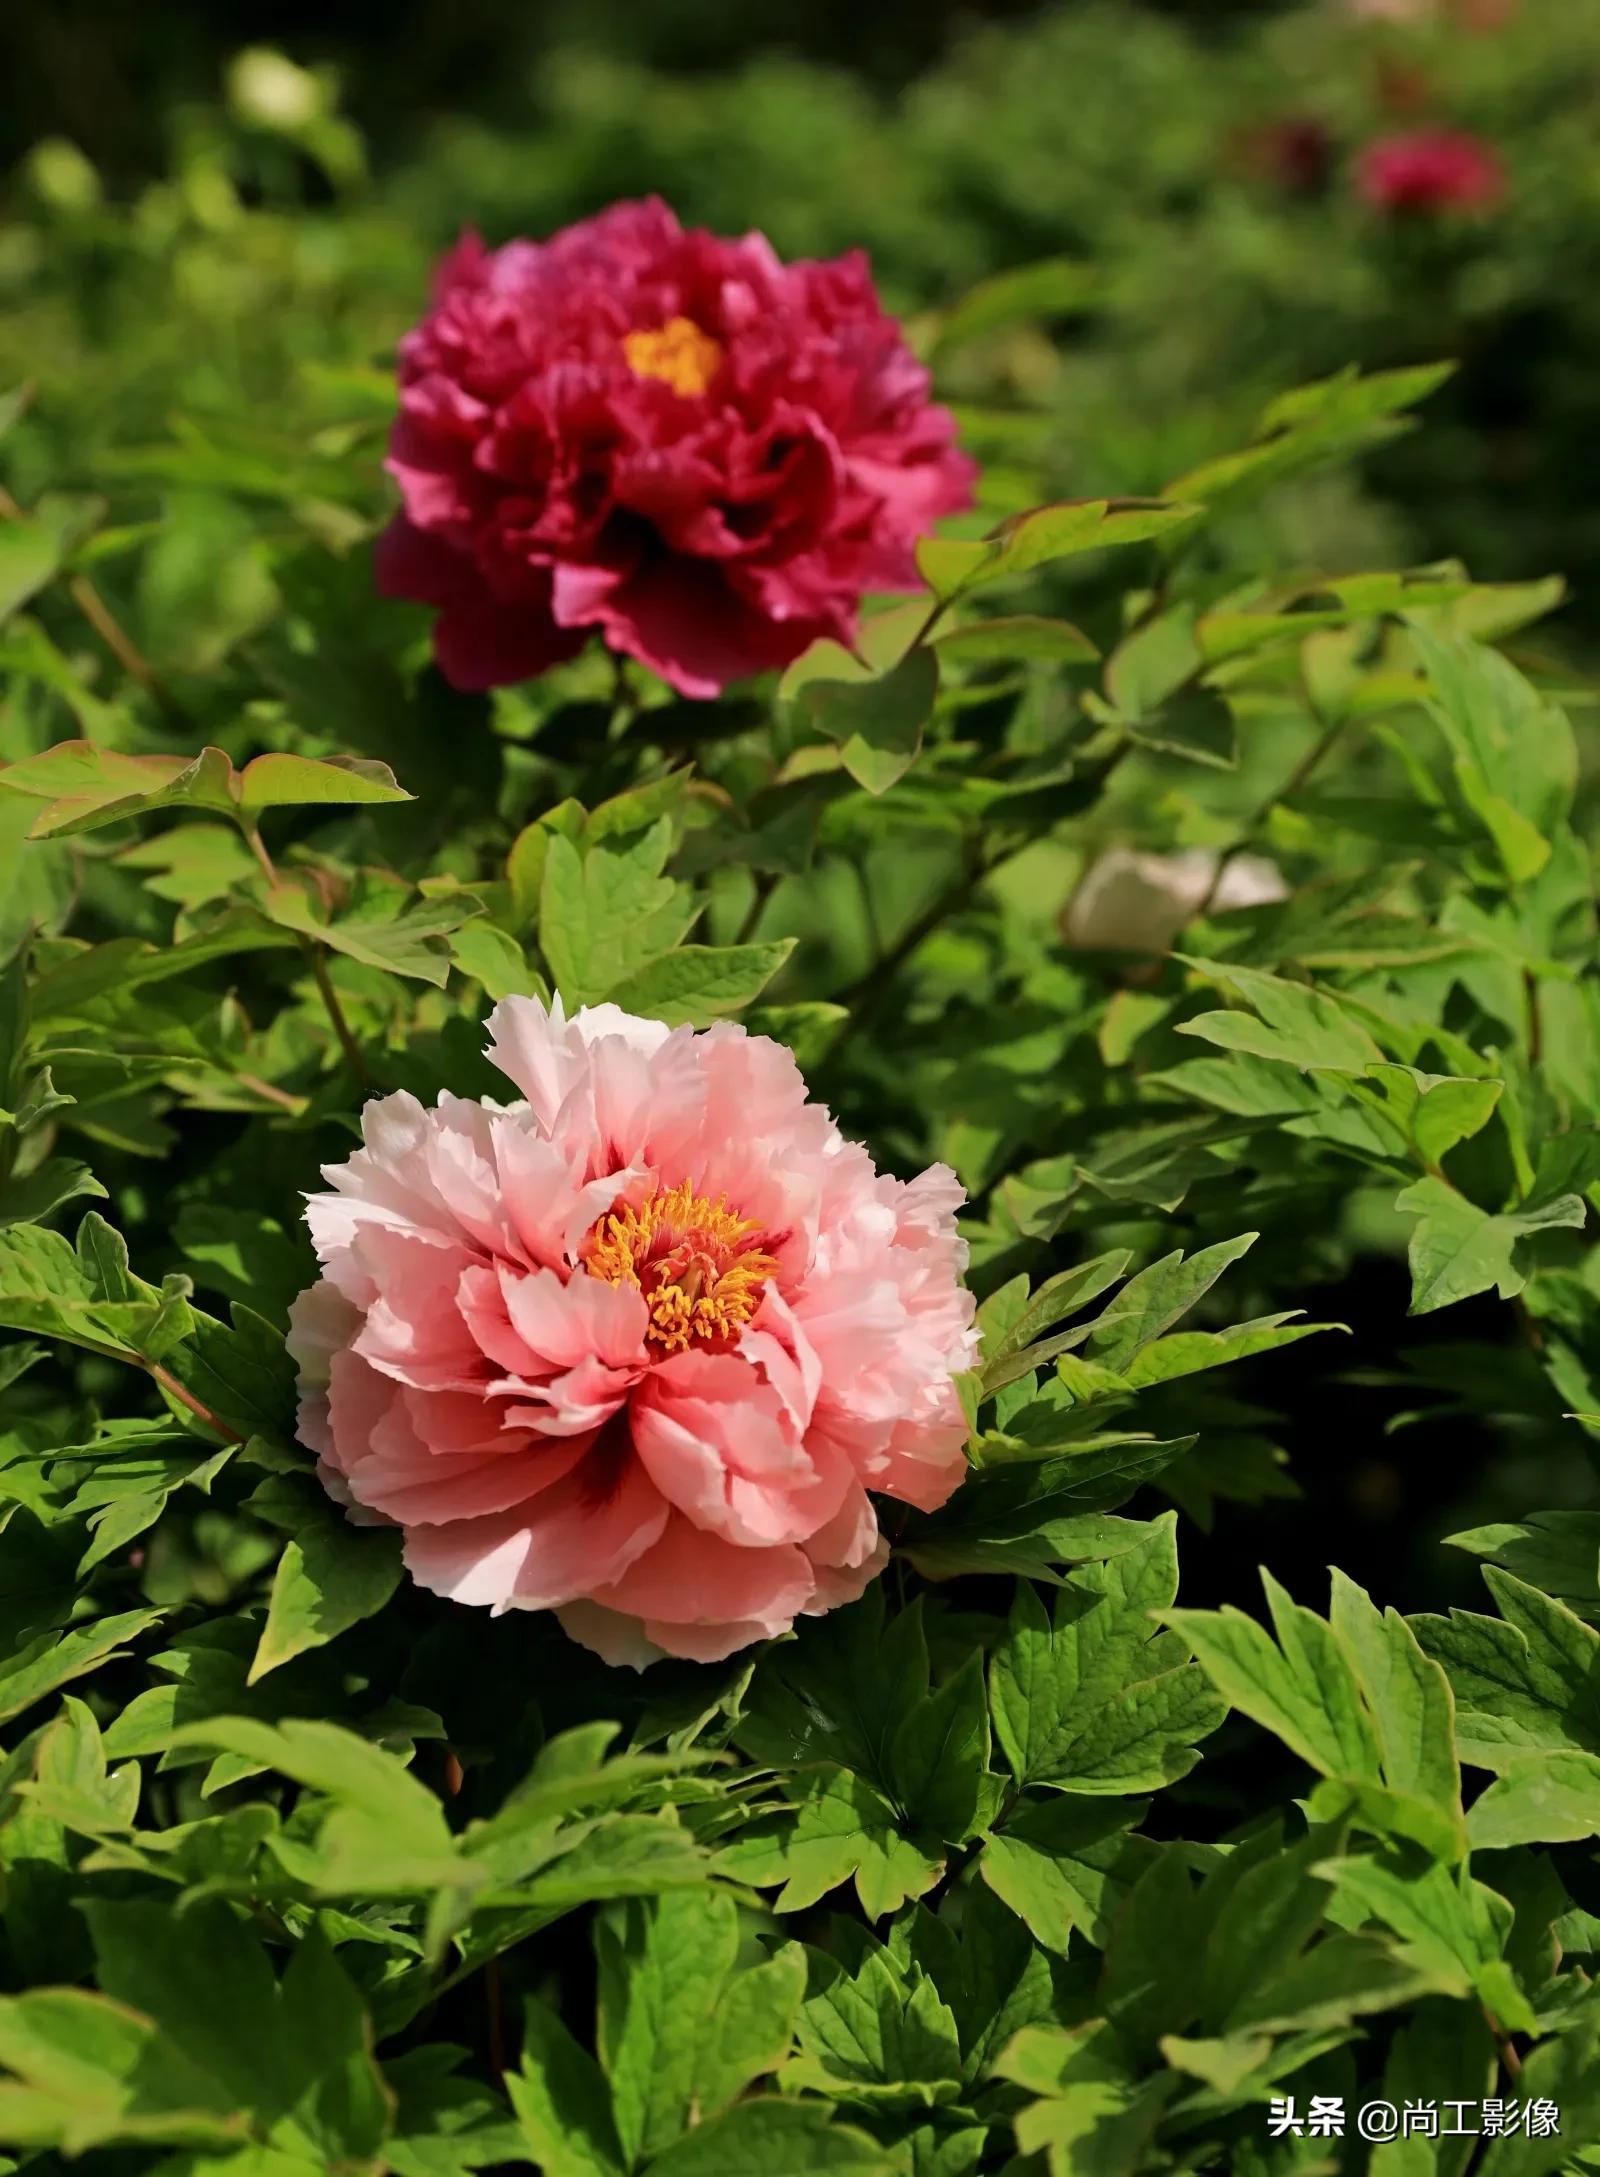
x: 679, y: 442
x: 636, y: 1348
x: 1430, y: 170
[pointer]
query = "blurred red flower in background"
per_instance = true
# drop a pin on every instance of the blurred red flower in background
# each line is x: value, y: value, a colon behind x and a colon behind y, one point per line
x: 1295, y: 154
x: 1430, y: 171
x: 672, y: 440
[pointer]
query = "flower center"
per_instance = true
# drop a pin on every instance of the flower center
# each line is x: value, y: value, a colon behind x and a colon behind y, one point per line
x: 678, y: 353
x: 699, y: 1265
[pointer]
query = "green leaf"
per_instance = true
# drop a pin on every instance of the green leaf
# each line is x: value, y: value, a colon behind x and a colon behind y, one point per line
x: 35, y: 1194
x: 877, y: 2036
x: 1452, y: 1926
x: 1062, y: 531
x: 1542, y: 1799
x: 86, y: 786
x: 1095, y: 2119
x: 1408, y: 1698
x: 1015, y: 638
x: 1101, y: 1700
x: 1557, y: 1551
x: 663, y: 1966
x: 331, y: 1576
x: 87, y: 2072
x: 605, y: 913
x: 1153, y: 663
x: 878, y: 723
x: 1433, y: 1112
x: 1011, y: 1326
x: 376, y: 926
x: 29, y: 558
x: 1303, y: 1689
x: 1191, y: 1352
x: 1444, y: 2052
x: 844, y: 1831
x: 1563, y: 2071
x: 698, y: 982
x: 71, y: 1782
x: 56, y: 1659
x: 940, y: 1752
x: 1066, y: 1864
x: 1047, y: 288
x: 765, y: 2137
x: 1289, y: 1022
x: 1458, y: 1249
x: 1338, y: 1979
x: 1264, y: 1907
x: 1525, y: 1682
x: 293, y: 782
x: 750, y: 2030
x: 562, y: 2102
x: 1197, y: 724
x: 1515, y: 759
x: 840, y: 1691
x: 1150, y: 1303
x: 296, y: 2056
x: 492, y: 957
x: 384, y: 1833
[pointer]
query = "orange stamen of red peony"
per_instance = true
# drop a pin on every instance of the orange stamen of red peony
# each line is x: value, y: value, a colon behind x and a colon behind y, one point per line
x: 699, y: 1265
x: 678, y: 353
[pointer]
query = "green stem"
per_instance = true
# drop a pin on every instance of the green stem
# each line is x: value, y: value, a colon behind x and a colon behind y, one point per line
x: 168, y: 1382
x: 336, y: 1014
x: 1295, y: 782
x: 318, y: 965
x: 110, y: 630
x: 766, y: 883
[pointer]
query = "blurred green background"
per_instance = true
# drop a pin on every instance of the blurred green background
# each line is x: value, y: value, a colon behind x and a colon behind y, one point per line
x: 215, y: 223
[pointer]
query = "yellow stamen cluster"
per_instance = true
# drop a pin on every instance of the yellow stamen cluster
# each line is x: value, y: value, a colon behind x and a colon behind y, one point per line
x: 699, y: 1265
x: 678, y: 353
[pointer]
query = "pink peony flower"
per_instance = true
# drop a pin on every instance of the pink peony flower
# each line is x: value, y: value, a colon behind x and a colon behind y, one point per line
x: 636, y: 1347
x: 1430, y: 170
x: 703, y: 454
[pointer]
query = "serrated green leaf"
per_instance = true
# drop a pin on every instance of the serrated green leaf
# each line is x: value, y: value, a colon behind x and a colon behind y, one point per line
x: 762, y: 2137
x: 1525, y: 1682
x: 877, y: 724
x: 603, y: 914
x: 1458, y: 1249
x: 698, y: 982
x: 29, y: 558
x: 562, y: 2102
x: 331, y: 1576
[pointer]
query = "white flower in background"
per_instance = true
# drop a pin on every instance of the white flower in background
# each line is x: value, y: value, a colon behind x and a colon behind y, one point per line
x: 1133, y: 902
x: 270, y: 91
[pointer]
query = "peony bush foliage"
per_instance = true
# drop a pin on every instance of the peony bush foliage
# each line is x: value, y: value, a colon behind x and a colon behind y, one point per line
x: 666, y: 1115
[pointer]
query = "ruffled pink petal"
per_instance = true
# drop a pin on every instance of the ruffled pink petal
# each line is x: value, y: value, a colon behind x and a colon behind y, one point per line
x: 584, y: 1532
x: 719, y: 1446
x: 846, y: 1555
x: 699, y: 1596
